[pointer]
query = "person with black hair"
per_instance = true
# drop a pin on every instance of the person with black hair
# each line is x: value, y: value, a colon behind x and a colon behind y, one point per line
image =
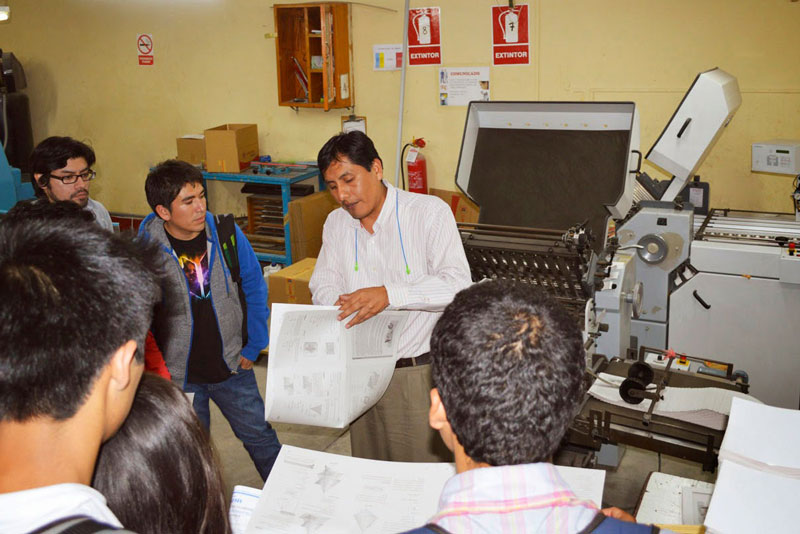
x: 508, y: 367
x: 388, y: 248
x: 149, y: 487
x: 72, y: 335
x: 62, y: 170
x: 63, y: 212
x: 199, y: 324
x: 60, y: 210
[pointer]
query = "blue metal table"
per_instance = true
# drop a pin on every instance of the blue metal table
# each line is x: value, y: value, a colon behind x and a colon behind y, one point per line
x: 283, y: 179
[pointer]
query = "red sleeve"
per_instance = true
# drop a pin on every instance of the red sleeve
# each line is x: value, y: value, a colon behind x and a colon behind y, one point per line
x: 153, y: 359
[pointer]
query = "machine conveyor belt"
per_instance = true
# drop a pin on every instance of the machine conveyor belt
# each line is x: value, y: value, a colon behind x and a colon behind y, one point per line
x: 749, y: 227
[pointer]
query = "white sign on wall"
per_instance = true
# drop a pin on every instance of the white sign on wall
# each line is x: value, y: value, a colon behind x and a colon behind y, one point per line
x: 144, y: 48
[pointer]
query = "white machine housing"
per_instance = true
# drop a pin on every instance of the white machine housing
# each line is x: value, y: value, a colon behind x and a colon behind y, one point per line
x: 694, y: 128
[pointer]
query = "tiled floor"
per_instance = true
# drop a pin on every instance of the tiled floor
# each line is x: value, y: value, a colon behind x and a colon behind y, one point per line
x: 622, y: 487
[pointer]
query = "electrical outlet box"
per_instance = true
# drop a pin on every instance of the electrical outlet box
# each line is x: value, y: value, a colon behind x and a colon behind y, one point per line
x: 778, y: 155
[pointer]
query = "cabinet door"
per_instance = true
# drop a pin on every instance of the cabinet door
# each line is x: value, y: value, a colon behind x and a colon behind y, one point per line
x: 340, y: 45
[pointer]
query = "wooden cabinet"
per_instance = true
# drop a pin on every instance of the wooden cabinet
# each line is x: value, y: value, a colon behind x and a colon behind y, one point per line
x: 313, y: 51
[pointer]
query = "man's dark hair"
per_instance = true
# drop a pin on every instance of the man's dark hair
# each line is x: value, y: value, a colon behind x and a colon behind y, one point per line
x: 508, y: 363
x: 53, y: 153
x: 159, y: 472
x: 166, y: 180
x: 62, y: 211
x: 355, y: 145
x: 71, y: 294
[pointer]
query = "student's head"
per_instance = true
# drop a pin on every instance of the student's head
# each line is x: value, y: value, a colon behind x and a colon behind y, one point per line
x: 75, y: 305
x: 508, y: 365
x: 353, y: 172
x: 175, y: 192
x: 60, y: 212
x: 62, y: 169
x: 159, y: 473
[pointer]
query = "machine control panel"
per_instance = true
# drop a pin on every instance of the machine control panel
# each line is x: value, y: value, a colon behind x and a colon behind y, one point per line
x: 789, y: 264
x: 779, y: 156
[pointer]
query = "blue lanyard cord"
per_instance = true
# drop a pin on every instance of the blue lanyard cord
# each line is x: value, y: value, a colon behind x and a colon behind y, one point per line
x: 399, y: 233
x: 397, y: 218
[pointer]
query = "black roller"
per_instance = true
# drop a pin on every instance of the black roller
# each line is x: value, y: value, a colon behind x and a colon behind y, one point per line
x: 629, y: 385
x: 641, y: 372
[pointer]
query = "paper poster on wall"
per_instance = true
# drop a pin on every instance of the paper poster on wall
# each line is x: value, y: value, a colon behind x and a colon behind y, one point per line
x: 144, y: 48
x: 424, y: 36
x: 387, y: 57
x: 459, y: 87
x: 510, y: 35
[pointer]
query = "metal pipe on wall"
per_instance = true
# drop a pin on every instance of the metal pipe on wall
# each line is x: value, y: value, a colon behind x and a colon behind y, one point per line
x: 398, y: 156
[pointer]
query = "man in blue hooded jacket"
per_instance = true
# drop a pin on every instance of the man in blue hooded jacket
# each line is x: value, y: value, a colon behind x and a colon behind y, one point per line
x: 198, y: 325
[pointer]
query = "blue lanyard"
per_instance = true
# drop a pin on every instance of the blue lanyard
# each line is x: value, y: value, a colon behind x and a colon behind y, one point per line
x: 399, y: 233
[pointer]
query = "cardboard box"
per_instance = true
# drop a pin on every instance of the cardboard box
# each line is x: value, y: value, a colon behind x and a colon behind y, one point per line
x: 231, y: 147
x: 306, y: 217
x: 290, y: 284
x: 464, y: 210
x: 192, y: 149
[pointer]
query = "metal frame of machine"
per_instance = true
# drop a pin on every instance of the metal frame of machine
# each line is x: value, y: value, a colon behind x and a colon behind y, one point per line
x: 598, y: 423
x: 658, y: 282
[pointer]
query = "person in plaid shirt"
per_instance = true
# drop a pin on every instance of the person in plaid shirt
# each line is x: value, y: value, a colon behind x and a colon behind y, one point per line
x: 508, y: 365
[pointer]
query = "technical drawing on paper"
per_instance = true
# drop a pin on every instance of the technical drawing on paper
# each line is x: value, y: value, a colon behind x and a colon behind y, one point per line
x: 374, y: 380
x: 312, y: 523
x: 365, y: 519
x: 288, y: 385
x: 328, y: 478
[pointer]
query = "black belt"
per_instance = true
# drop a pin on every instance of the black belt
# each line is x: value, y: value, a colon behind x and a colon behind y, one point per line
x: 422, y: 359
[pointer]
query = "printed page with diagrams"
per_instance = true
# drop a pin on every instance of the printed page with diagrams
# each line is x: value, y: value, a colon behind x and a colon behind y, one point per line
x: 320, y: 373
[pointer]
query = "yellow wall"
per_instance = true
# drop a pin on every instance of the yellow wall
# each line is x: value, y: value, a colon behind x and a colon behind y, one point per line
x: 214, y: 65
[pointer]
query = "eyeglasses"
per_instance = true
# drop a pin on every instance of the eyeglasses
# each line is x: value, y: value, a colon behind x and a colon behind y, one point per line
x: 86, y: 176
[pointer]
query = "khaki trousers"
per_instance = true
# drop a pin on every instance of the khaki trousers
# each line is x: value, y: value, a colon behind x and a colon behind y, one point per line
x: 396, y: 428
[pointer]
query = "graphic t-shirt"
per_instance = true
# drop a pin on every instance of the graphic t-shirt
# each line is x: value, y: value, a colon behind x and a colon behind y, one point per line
x: 206, y: 365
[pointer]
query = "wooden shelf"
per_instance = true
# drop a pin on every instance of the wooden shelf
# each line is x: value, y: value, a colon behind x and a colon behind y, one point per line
x: 297, y: 44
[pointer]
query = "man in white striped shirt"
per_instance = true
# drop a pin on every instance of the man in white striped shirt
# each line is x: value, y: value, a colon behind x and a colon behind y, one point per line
x: 388, y: 248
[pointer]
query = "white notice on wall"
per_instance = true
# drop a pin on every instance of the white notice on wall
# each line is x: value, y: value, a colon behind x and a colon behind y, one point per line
x: 459, y: 87
x: 387, y: 57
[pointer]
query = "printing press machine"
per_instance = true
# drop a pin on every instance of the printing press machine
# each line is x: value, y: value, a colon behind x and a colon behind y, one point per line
x: 564, y: 206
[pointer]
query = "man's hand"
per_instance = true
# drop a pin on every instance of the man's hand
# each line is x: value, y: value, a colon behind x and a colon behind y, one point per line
x: 617, y: 513
x: 245, y: 364
x: 368, y: 302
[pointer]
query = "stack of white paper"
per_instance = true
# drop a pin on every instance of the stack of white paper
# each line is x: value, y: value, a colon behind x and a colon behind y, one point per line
x: 310, y: 492
x: 708, y: 407
x: 759, y: 478
x: 765, y: 438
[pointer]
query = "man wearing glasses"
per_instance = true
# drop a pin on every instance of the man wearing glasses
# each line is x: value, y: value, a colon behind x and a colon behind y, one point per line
x: 62, y: 170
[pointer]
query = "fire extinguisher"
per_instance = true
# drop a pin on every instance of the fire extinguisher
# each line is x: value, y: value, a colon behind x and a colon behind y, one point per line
x: 417, y: 168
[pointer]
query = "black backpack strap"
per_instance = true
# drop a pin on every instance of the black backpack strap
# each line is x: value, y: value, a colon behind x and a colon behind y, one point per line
x: 226, y: 232
x: 593, y: 524
x: 433, y: 527
x: 75, y: 525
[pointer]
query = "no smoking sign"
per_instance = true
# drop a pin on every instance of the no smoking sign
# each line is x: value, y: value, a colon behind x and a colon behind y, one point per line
x: 144, y: 47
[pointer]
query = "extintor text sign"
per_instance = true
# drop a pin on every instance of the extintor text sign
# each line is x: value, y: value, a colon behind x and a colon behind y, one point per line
x: 510, y: 35
x: 424, y: 36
